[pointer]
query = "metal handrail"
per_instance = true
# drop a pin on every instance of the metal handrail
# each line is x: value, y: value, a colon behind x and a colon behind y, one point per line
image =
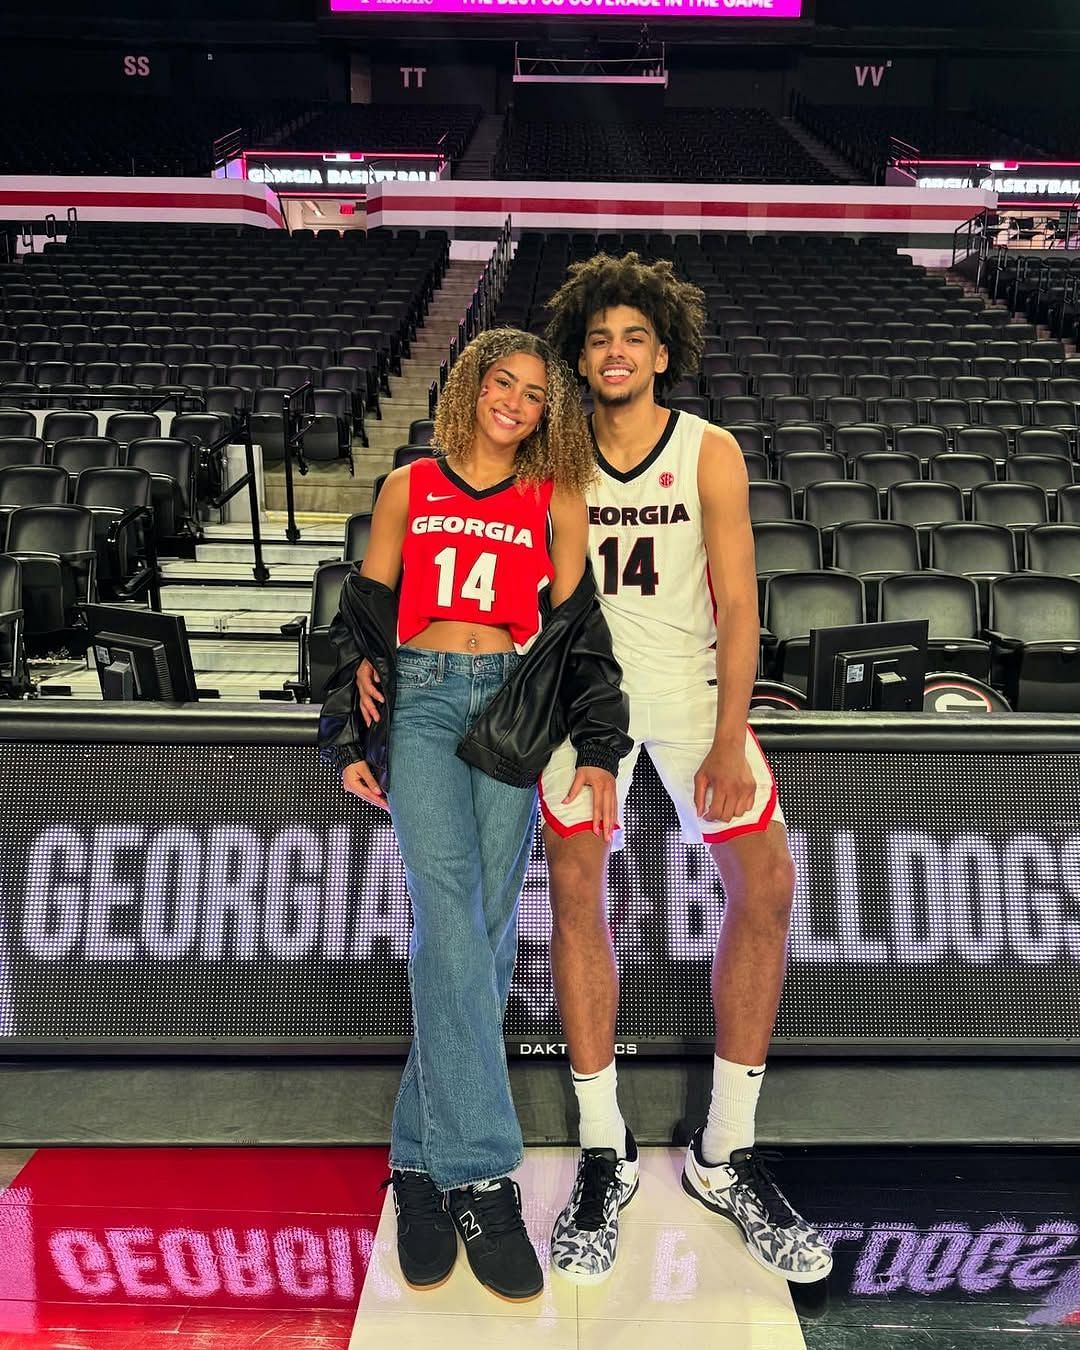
x: 242, y: 424
x: 293, y: 439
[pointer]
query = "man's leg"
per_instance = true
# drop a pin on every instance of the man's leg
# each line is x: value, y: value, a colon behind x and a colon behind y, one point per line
x: 747, y: 979
x: 584, y: 1242
x: 582, y: 956
x: 723, y: 1171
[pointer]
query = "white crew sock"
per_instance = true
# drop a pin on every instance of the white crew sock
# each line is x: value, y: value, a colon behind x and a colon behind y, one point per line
x: 734, y: 1101
x: 601, y: 1123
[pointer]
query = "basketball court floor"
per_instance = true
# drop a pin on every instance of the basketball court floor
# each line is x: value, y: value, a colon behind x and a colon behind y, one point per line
x: 208, y: 1248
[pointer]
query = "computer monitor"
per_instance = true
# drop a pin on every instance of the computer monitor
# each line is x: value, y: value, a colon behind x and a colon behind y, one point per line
x: 141, y: 654
x: 878, y: 667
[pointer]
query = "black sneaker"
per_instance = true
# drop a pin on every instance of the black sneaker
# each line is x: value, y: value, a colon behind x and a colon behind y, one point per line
x: 426, y: 1241
x: 488, y: 1217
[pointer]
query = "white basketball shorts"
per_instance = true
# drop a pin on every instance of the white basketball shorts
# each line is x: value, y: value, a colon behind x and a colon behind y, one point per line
x: 677, y: 731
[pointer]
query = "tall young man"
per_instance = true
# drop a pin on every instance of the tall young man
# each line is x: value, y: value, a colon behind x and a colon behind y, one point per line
x: 673, y: 552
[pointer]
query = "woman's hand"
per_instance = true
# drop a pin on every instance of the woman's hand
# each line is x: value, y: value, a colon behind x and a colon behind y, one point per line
x: 367, y: 685
x: 360, y: 781
x: 605, y: 800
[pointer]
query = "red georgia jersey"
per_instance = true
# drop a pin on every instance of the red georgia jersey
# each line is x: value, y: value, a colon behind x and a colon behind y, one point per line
x: 473, y: 556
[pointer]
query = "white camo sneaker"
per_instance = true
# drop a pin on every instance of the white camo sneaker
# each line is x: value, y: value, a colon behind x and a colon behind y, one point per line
x: 743, y: 1191
x: 585, y: 1239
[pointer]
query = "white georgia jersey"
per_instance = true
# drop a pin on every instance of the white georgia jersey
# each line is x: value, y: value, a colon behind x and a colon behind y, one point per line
x: 647, y: 544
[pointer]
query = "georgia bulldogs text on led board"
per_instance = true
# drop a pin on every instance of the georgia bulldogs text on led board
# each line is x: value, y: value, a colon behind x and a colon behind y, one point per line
x: 234, y: 896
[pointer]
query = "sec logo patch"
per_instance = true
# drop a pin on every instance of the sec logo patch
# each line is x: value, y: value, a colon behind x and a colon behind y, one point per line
x: 667, y: 480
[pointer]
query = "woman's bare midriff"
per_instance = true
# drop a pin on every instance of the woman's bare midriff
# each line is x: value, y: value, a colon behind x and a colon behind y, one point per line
x: 474, y: 639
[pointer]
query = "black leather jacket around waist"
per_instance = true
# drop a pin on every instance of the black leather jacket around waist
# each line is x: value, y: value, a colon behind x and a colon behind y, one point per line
x: 568, y: 683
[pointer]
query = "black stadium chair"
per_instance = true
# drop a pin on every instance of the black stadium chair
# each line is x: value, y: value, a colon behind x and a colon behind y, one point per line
x: 795, y: 437
x: 855, y: 439
x: 1014, y: 505
x: 171, y: 464
x: 31, y: 485
x: 795, y: 603
x: 357, y: 534
x: 75, y: 453
x: 771, y: 501
x: 14, y: 675
x: 1043, y: 441
x: 875, y: 548
x: 1035, y: 632
x: 1068, y: 505
x: 1054, y: 549
x: 882, y: 470
x: 827, y: 504
x: 951, y: 603
x: 126, y: 427
x: 1049, y: 472
x: 785, y: 546
x: 65, y: 423
x: 316, y: 655
x: 963, y: 470
x: 973, y: 549
x: 21, y: 450
x: 409, y: 454
x: 121, y: 501
x: 55, y: 545
x: 925, y: 442
x: 800, y: 468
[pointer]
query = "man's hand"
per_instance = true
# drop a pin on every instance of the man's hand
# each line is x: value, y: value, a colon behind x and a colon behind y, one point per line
x: 724, y: 787
x: 367, y: 684
x: 360, y: 781
x: 605, y: 801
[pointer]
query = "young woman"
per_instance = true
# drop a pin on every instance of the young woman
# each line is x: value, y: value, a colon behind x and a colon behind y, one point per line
x: 492, y: 650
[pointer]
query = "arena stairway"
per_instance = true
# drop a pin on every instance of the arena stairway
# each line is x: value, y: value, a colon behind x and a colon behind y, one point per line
x: 237, y: 646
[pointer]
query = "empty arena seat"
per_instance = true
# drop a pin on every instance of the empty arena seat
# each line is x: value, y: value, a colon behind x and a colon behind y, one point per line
x: 990, y: 441
x: 923, y: 441
x: 1042, y: 441
x: 799, y: 468
x: 21, y: 450
x: 14, y: 676
x: 796, y: 437
x: 962, y: 469
x: 855, y: 439
x: 55, y: 545
x: 75, y: 453
x: 31, y: 485
x: 1035, y: 631
x: 171, y: 463
x: 830, y: 503
x: 317, y: 655
x: 1054, y: 549
x: 795, y: 603
x: 875, y: 548
x: 785, y: 546
x: 1010, y: 504
x: 1049, y: 472
x: 882, y: 469
x: 121, y: 502
x: 357, y: 535
x: 65, y: 423
x: 126, y: 427
x: 951, y: 604
x: 409, y: 454
x: 771, y: 501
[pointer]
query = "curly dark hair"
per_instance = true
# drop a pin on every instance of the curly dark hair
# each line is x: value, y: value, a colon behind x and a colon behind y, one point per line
x: 676, y: 309
x: 560, y: 448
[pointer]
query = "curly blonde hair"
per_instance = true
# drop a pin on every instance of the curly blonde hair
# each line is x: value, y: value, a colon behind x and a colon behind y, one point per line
x: 560, y: 448
x: 676, y: 309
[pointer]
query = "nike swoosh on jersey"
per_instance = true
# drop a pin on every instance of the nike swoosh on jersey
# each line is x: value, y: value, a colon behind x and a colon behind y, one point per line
x: 432, y: 498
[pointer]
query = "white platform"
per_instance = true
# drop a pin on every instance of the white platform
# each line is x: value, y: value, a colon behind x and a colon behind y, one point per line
x: 683, y: 1281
